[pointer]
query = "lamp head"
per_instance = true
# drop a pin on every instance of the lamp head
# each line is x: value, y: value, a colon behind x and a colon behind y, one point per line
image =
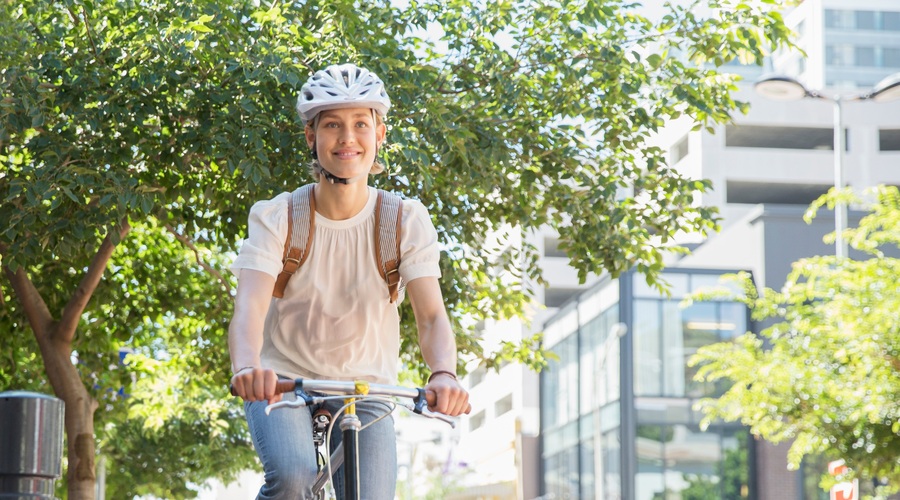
x: 780, y: 88
x: 886, y: 90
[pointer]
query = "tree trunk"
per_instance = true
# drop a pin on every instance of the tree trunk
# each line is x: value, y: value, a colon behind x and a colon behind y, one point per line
x: 80, y: 407
x: 55, y: 340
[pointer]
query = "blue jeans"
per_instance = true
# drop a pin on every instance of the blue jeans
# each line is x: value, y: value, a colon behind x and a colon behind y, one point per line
x: 283, y: 441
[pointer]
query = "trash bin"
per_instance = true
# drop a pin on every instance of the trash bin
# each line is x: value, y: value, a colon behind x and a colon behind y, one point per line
x: 31, y: 444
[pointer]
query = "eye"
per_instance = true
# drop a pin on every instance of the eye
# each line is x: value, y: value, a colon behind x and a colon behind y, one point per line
x: 362, y: 124
x: 331, y: 125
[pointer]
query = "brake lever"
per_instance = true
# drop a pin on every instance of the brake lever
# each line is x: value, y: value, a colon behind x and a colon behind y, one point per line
x: 296, y: 403
x: 425, y: 412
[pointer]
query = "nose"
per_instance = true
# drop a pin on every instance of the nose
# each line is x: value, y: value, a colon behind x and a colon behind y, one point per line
x: 346, y: 135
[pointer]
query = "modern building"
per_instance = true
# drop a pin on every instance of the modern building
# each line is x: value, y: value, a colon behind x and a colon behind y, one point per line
x: 782, y: 152
x: 616, y: 415
x: 616, y: 408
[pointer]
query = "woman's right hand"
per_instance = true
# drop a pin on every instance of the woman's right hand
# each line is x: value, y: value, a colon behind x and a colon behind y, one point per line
x: 255, y: 384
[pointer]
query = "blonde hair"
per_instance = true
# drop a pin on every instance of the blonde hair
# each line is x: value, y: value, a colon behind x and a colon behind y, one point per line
x: 315, y: 169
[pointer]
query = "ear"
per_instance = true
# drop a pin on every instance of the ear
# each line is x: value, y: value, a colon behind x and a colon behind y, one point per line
x: 380, y: 133
x: 310, y: 136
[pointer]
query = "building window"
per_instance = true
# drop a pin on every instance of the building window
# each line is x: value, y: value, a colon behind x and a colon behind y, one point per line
x: 551, y: 248
x: 680, y: 460
x: 599, y: 361
x: 890, y: 21
x: 889, y: 139
x: 476, y: 421
x: 839, y: 55
x: 559, y: 385
x: 667, y: 335
x: 755, y: 136
x: 555, y: 297
x: 890, y: 57
x: 865, y: 56
x: 865, y: 20
x: 753, y: 193
x: 840, y: 19
x: 503, y: 405
x: 477, y: 376
x: 679, y: 150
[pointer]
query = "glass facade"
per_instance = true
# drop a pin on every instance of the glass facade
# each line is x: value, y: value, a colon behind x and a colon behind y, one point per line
x: 579, y: 399
x: 679, y: 461
x: 614, y: 427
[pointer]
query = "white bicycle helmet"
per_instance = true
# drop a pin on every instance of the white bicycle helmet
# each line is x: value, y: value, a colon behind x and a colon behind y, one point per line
x: 342, y: 86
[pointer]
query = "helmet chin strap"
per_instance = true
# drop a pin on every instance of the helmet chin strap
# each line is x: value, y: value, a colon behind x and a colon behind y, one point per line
x: 333, y: 178
x: 341, y: 180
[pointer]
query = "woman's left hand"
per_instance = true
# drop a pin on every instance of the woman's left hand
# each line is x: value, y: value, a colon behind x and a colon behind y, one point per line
x: 451, y: 398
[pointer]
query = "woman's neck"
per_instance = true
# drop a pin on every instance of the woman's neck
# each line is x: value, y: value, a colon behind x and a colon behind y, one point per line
x: 341, y: 201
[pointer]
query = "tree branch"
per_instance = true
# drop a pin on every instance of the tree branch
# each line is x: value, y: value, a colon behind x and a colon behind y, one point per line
x: 87, y: 28
x: 36, y: 310
x: 72, y: 313
x: 188, y: 243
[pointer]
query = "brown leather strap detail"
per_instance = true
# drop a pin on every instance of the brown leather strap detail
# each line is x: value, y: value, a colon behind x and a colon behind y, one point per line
x: 388, y: 259
x: 285, y: 274
x: 294, y: 256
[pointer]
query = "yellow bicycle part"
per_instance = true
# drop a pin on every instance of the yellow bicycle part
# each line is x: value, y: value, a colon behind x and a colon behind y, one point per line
x: 362, y: 389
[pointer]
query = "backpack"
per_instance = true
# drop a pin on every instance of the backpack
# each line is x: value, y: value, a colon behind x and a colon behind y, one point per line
x: 302, y: 230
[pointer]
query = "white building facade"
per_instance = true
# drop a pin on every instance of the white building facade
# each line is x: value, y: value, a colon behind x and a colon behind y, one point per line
x: 765, y: 169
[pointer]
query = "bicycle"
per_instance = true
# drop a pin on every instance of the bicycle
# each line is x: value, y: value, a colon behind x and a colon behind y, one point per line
x: 351, y: 391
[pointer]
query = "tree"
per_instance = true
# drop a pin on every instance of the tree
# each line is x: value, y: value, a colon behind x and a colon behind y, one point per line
x: 136, y: 135
x: 824, y: 374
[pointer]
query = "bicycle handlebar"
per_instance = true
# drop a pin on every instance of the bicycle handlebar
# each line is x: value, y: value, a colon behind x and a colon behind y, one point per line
x: 349, y: 388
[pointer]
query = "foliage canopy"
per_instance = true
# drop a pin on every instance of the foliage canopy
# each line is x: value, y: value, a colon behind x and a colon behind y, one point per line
x: 134, y: 136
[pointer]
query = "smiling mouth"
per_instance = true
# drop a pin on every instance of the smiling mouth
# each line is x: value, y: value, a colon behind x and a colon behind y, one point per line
x: 347, y: 155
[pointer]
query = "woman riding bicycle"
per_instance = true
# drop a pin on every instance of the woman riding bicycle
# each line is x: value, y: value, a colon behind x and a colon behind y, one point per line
x: 336, y: 319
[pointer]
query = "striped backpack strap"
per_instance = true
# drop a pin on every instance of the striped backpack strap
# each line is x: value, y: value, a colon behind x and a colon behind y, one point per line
x: 301, y: 230
x: 388, y: 219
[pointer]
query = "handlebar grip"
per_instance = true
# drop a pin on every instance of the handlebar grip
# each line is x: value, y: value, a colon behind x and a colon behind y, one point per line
x: 281, y: 387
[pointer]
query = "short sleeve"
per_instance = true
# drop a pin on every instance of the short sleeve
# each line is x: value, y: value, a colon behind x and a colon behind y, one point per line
x: 419, y: 250
x: 266, y: 233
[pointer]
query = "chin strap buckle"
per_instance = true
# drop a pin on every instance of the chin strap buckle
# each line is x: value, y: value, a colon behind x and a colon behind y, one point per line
x: 333, y: 178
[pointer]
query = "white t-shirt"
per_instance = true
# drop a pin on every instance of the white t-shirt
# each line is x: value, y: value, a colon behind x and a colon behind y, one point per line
x: 336, y: 320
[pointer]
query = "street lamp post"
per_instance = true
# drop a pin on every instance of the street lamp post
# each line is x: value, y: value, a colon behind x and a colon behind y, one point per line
x: 785, y: 88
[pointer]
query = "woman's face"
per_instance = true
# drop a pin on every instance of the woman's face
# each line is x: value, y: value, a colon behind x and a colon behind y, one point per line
x: 346, y: 140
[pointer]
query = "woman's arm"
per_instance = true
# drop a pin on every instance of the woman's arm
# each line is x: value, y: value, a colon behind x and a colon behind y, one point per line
x: 437, y: 344
x: 245, y: 337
